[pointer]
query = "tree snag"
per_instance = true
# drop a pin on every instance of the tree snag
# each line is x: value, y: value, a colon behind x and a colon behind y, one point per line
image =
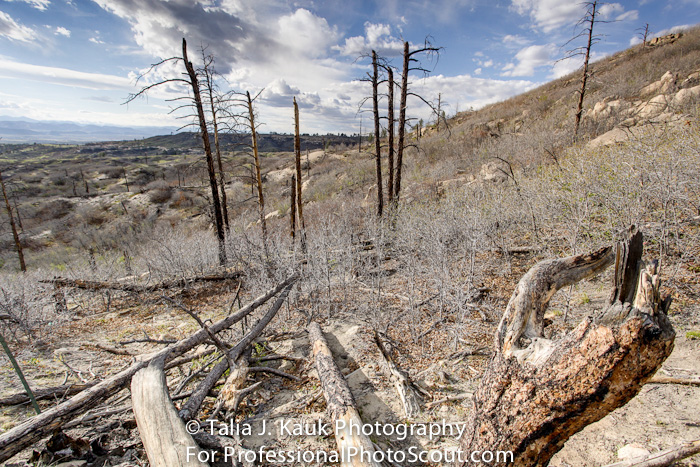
x: 537, y: 392
x: 204, y: 131
x: 340, y: 404
x: 15, y: 236
x: 297, y: 187
x: 402, y: 383
x: 377, y: 142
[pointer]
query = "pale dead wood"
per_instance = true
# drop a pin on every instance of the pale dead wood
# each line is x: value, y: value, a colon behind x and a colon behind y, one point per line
x: 233, y: 391
x: 108, y: 349
x: 340, y: 403
x: 163, y: 434
x: 410, y: 400
x: 537, y: 392
x: 663, y: 458
x: 40, y: 426
x: 661, y: 379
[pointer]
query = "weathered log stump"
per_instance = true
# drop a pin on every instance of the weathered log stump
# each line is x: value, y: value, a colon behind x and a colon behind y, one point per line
x: 536, y: 392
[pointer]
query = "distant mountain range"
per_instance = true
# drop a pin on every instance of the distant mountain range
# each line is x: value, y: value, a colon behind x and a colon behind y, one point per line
x: 25, y: 130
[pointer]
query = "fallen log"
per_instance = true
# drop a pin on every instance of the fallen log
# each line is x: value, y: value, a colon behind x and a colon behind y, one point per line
x: 536, y: 392
x: 45, y: 393
x: 135, y: 288
x: 340, y: 405
x: 43, y: 425
x: 402, y: 383
x: 166, y: 441
x: 663, y: 458
x: 190, y: 409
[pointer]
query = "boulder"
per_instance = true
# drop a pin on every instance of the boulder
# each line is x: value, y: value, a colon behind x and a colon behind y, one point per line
x: 666, y: 84
x: 494, y: 171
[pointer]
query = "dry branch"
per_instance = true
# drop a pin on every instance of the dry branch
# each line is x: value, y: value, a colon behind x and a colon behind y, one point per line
x: 661, y: 379
x: 536, y: 392
x: 165, y: 439
x: 402, y: 383
x: 340, y: 404
x: 191, y: 407
x: 36, y: 428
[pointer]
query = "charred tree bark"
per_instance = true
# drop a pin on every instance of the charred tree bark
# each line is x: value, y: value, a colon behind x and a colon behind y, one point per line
x: 536, y: 392
x: 377, y: 142
x: 297, y: 165
x: 340, y: 404
x: 194, y: 82
x: 390, y: 126
x: 402, y: 120
x: 166, y: 441
x: 15, y: 235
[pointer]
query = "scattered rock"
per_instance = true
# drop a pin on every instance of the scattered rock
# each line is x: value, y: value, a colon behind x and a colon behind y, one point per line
x: 494, y: 171
x: 631, y: 451
x: 666, y: 84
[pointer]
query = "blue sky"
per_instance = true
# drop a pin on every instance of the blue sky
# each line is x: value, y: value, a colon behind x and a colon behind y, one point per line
x: 77, y: 60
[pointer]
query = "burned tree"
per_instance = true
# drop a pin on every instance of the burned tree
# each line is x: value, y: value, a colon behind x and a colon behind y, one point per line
x: 15, y: 235
x: 377, y: 142
x: 192, y: 81
x: 390, y: 127
x: 537, y: 392
x: 296, y: 182
x: 586, y: 25
x: 408, y: 60
x: 215, y: 102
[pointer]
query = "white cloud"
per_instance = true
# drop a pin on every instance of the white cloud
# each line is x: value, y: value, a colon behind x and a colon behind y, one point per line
x: 38, y: 4
x: 306, y: 33
x: 377, y: 37
x: 61, y: 31
x: 515, y: 40
x: 487, y: 63
x: 478, y: 71
x: 549, y: 15
x: 95, y: 40
x: 63, y: 76
x: 608, y: 10
x: 631, y: 15
x: 14, y: 31
x: 529, y: 59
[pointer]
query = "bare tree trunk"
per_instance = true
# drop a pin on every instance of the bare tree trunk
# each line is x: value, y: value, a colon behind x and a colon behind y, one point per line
x: 584, y: 77
x: 258, y: 175
x: 207, y: 151
x: 15, y: 235
x: 377, y: 142
x: 402, y: 121
x: 536, y: 392
x: 293, y: 208
x: 222, y: 180
x: 297, y: 164
x: 390, y: 125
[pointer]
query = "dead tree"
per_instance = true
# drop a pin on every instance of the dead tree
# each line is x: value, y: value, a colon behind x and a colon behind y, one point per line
x: 408, y: 59
x: 538, y: 392
x: 214, y: 102
x: 390, y: 127
x: 195, y: 101
x: 15, y: 235
x: 377, y: 142
x: 586, y: 25
x: 644, y: 33
x: 297, y: 186
x: 258, y: 176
